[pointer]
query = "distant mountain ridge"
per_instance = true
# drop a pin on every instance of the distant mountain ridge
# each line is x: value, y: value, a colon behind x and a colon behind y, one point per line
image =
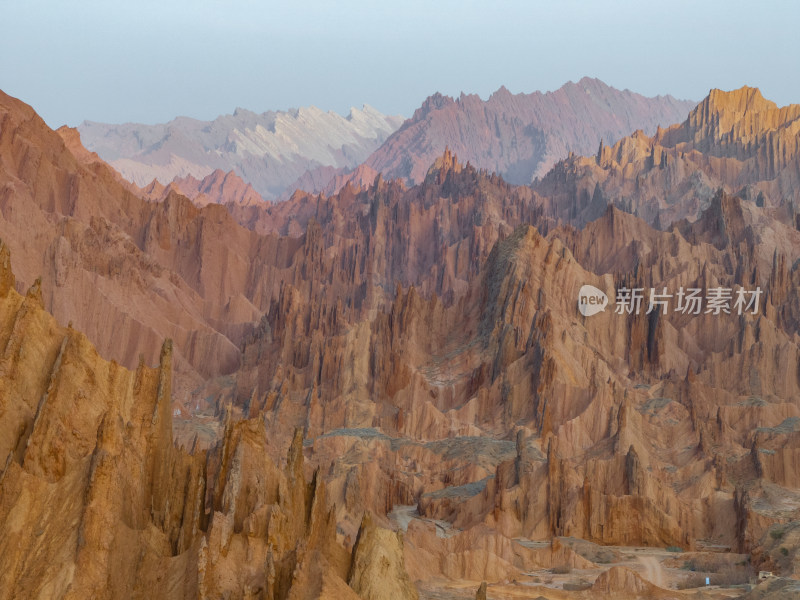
x: 521, y: 136
x: 269, y: 150
x: 736, y: 140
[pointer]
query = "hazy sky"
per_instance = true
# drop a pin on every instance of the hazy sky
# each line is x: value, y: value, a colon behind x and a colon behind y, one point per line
x: 151, y: 61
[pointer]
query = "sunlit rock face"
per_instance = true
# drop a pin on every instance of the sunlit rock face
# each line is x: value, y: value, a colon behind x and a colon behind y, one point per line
x: 426, y: 343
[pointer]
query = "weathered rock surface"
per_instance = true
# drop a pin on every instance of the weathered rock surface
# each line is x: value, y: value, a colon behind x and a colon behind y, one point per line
x: 425, y: 340
x: 97, y: 502
x: 378, y: 570
x: 622, y: 583
x: 735, y: 140
x: 481, y: 593
x: 123, y: 270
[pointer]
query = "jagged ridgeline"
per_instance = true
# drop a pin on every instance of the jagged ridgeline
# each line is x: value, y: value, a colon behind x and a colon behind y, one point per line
x: 425, y: 340
x: 97, y: 502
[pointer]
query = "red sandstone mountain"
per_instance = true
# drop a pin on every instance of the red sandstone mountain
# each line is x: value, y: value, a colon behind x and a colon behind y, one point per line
x: 520, y: 136
x: 124, y: 270
x: 93, y: 480
x: 735, y: 140
x: 217, y: 187
x: 425, y: 341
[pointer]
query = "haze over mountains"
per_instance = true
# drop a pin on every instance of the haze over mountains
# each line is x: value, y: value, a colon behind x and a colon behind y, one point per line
x: 423, y: 340
x: 519, y: 136
x: 269, y: 150
x: 736, y: 139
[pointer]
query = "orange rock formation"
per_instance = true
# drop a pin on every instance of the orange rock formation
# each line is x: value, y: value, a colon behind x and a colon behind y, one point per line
x: 426, y: 344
